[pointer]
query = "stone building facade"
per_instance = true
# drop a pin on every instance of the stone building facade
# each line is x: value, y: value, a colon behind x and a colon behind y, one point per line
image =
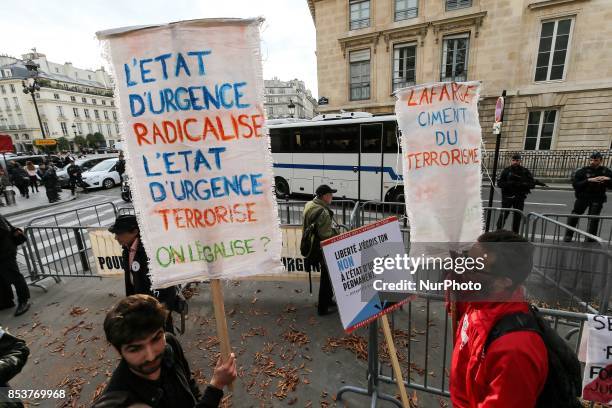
x: 71, y: 102
x: 280, y: 93
x: 553, y: 58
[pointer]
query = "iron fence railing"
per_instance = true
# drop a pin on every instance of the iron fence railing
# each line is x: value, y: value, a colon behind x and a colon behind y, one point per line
x: 546, y: 164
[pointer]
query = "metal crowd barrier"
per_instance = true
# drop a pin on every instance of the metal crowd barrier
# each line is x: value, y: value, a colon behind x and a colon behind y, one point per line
x: 572, y: 274
x: 91, y: 215
x: 422, y: 328
x: 604, y: 223
x: 59, y: 252
x: 425, y: 344
x: 291, y: 212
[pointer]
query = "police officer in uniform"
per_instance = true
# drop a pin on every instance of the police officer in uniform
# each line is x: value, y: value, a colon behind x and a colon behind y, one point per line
x: 515, y: 182
x: 590, y: 184
x: 136, y: 266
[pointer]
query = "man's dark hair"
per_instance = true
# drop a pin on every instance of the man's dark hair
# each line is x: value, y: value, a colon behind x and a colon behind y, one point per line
x: 513, y: 254
x: 133, y: 318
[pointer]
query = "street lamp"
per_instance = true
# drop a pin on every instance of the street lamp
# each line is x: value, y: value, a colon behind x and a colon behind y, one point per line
x: 30, y: 86
x: 74, y: 129
x: 291, y: 107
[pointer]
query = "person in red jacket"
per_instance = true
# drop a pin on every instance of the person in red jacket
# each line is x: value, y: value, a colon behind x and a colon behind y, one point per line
x: 512, y: 371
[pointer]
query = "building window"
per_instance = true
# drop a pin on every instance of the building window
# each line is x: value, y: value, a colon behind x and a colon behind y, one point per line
x: 540, y: 130
x: 56, y: 96
x: 84, y: 100
x: 26, y: 136
x: 112, y: 103
x: 16, y: 102
x: 100, y: 128
x: 37, y: 95
x: 360, y: 75
x: 103, y: 102
x: 117, y: 128
x: 64, y: 128
x: 79, y: 128
x: 455, y: 58
x: 86, y: 113
x: 73, y: 99
x: 552, y: 53
x: 46, y: 128
x: 60, y: 111
x: 90, y: 127
x: 108, y: 129
x: 405, y: 9
x: 76, y: 112
x: 404, y: 65
x: 457, y: 4
x: 93, y: 101
x: 360, y: 14
x: 114, y: 115
x: 106, y: 115
x: 12, y: 87
x: 96, y: 114
x: 2, y: 89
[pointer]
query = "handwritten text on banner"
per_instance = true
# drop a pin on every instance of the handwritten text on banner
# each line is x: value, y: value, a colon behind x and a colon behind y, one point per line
x: 191, y: 102
x: 441, y: 159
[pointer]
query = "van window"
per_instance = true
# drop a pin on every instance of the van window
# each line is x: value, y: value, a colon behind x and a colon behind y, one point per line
x: 280, y: 140
x: 371, y: 138
x: 390, y: 137
x: 308, y: 140
x: 341, y: 139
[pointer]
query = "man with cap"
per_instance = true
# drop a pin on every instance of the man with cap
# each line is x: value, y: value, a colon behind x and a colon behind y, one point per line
x: 590, y: 184
x: 515, y: 182
x: 136, y: 265
x: 317, y: 212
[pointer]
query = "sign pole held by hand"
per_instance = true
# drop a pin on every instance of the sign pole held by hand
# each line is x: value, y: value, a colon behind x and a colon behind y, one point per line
x: 394, y: 361
x: 499, y: 117
x: 219, y: 309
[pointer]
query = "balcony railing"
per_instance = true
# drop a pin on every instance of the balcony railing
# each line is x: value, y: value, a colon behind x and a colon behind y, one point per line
x: 45, y: 83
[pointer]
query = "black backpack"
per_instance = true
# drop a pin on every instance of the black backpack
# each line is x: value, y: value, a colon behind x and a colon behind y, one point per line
x: 563, y: 385
x: 310, y: 243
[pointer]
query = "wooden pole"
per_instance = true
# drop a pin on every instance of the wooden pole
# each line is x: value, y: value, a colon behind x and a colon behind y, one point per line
x: 219, y: 309
x: 395, y: 362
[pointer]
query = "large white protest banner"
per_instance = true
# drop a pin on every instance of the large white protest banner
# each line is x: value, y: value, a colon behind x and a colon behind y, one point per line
x: 191, y: 103
x: 441, y: 138
x: 597, y: 378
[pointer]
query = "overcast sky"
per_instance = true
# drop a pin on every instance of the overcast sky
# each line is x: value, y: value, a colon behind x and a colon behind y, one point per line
x: 64, y: 29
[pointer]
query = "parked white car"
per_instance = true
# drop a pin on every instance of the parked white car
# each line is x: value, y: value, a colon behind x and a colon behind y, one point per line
x: 103, y: 174
x: 85, y: 165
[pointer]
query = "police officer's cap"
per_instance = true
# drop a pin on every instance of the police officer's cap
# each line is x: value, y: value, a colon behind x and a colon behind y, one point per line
x: 596, y: 155
x: 124, y: 223
x: 516, y: 157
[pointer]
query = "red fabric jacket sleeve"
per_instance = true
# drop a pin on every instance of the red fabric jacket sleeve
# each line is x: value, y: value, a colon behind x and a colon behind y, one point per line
x: 515, y: 369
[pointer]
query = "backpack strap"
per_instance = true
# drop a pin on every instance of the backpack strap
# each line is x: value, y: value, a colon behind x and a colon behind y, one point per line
x: 512, y: 323
x: 317, y: 216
